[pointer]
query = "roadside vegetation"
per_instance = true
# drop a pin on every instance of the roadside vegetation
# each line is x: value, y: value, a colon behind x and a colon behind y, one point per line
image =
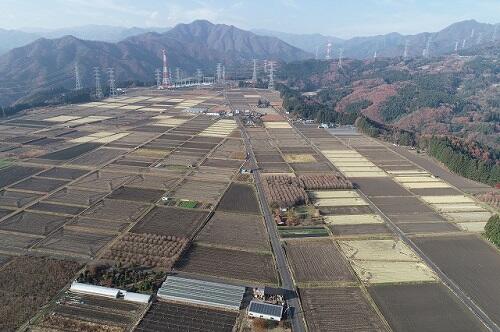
x: 492, y: 230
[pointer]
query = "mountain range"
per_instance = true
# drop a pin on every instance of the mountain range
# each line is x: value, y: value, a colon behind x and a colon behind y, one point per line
x: 49, y: 63
x: 10, y: 39
x: 464, y: 34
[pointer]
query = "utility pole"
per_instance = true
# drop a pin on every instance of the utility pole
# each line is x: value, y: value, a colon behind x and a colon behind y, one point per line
x: 98, y: 90
x: 270, y: 85
x: 254, y: 74
x: 112, y: 83
x: 158, y: 78
x: 78, y: 83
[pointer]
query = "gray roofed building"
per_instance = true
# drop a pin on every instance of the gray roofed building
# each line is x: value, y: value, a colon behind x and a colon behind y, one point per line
x: 265, y: 310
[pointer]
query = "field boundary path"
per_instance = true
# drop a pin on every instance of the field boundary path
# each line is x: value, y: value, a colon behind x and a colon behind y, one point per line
x: 281, y: 262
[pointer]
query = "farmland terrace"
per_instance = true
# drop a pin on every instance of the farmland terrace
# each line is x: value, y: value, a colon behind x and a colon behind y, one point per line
x: 137, y: 185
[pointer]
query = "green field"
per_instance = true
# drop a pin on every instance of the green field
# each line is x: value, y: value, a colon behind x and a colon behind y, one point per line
x: 188, y: 204
x: 5, y: 162
x: 289, y: 232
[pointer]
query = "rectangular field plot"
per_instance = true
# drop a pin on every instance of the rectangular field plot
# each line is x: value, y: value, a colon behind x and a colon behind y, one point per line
x: 232, y: 264
x: 424, y: 307
x: 339, y: 309
x: 240, y: 198
x: 386, y: 250
x: 63, y: 173
x: 70, y: 242
x: 56, y: 208
x: 471, y: 263
x: 110, y: 209
x: 479, y: 216
x: 33, y: 223
x: 14, y: 174
x: 98, y: 157
x: 246, y: 232
x: 76, y: 197
x: 136, y: 194
x: 353, y: 219
x: 180, y: 317
x: 103, y: 181
x: 297, y: 232
x: 17, y: 199
x: 170, y: 221
x: 317, y: 261
x: 153, y: 182
x: 70, y: 153
x: 36, y: 281
x: 16, y: 242
x: 95, y: 225
x: 382, y: 261
x: 202, y: 191
x: 361, y: 229
x: 380, y: 187
x: 40, y: 185
x: 277, y: 125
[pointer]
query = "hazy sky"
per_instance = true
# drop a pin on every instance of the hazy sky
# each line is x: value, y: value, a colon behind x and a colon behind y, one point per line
x: 343, y: 18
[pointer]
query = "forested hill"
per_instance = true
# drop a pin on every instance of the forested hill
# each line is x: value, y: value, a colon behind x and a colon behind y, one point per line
x: 454, y: 99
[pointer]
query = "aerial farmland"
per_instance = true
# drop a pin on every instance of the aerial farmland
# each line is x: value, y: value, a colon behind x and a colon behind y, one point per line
x: 122, y: 196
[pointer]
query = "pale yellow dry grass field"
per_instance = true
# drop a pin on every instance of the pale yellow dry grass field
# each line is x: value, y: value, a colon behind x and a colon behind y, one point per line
x: 426, y: 185
x: 277, y: 125
x: 447, y: 199
x: 458, y: 207
x: 403, y: 179
x: 378, y: 250
x: 380, y: 174
x: 467, y: 216
x: 333, y: 194
x: 62, y: 118
x: 378, y: 272
x: 404, y: 172
x: 354, y: 219
x: 474, y: 227
x: 340, y: 202
x: 299, y: 158
x: 152, y: 153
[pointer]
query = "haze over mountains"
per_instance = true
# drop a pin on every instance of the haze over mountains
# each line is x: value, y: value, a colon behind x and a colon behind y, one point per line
x: 49, y: 63
x: 393, y: 44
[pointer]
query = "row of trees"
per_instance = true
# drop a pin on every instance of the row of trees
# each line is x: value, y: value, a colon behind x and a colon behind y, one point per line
x: 462, y: 162
x: 492, y: 230
x: 391, y: 134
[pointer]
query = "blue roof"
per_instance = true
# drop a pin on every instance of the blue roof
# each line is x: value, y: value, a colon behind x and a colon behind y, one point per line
x: 266, y: 308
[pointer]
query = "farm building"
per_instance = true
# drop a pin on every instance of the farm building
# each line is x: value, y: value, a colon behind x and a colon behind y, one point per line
x: 114, y: 293
x: 202, y: 292
x: 265, y: 310
x: 197, y: 110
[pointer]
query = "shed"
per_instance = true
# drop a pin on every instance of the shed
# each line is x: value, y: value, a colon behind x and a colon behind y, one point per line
x: 136, y: 297
x: 258, y: 309
x: 79, y: 287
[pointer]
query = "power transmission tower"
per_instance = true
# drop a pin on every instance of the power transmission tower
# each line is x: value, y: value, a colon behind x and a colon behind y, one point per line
x: 463, y: 43
x: 316, y: 53
x: 78, y: 83
x: 456, y: 46
x: 270, y: 85
x: 494, y: 36
x: 265, y: 66
x: 341, y: 54
x: 479, y: 38
x: 426, y: 50
x: 98, y: 89
x: 219, y: 72
x: 405, y: 52
x: 254, y: 74
x: 224, y: 74
x: 158, y: 78
x: 328, y: 51
x: 199, y: 76
x: 177, y: 74
x: 165, y: 81
x: 112, y: 83
x: 375, y: 55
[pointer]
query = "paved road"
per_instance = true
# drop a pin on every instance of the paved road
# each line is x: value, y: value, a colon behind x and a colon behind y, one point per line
x: 454, y: 288
x: 281, y: 262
